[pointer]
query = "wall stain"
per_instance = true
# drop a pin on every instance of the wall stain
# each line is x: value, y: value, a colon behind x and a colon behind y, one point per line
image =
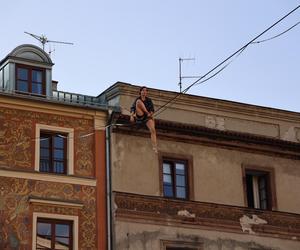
x: 144, y: 241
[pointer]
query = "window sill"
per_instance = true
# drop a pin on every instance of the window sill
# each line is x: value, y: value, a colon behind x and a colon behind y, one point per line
x: 68, y: 179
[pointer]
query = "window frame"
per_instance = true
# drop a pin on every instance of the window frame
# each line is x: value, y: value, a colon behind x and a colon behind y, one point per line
x: 271, y: 190
x: 75, y: 228
x: 188, y: 160
x: 29, y: 80
x: 53, y: 223
x: 52, y: 149
x: 40, y: 128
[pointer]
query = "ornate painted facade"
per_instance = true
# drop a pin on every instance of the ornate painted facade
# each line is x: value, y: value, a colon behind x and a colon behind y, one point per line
x: 18, y: 139
x: 16, y: 209
x: 29, y: 194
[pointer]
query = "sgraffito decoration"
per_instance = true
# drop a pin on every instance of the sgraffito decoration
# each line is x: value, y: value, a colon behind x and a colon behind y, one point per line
x: 17, y: 139
x: 16, y: 211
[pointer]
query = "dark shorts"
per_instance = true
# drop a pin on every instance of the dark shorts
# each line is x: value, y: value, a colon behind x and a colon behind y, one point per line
x: 141, y: 119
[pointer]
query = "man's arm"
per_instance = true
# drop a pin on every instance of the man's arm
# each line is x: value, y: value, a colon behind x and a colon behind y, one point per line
x: 150, y: 106
x: 132, y: 111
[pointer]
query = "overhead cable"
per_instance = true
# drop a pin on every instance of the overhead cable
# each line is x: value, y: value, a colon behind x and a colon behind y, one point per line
x: 228, y: 58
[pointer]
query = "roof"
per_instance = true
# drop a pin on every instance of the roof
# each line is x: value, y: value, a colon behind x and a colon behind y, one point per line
x: 29, y: 52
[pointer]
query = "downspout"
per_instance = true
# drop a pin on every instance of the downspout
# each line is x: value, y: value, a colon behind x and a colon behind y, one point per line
x: 108, y: 181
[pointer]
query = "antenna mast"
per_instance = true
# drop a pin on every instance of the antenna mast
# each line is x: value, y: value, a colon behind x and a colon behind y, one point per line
x: 180, y: 73
x: 43, y: 40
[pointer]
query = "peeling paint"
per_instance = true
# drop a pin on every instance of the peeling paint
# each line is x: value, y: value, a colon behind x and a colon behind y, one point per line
x: 247, y: 222
x: 186, y: 213
x: 151, y: 240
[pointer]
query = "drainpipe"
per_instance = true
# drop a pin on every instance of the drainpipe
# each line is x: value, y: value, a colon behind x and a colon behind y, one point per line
x: 108, y: 181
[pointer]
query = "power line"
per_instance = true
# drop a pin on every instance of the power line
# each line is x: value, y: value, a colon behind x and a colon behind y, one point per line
x: 44, y: 139
x: 280, y: 34
x: 219, y: 71
x: 228, y: 58
x: 261, y: 41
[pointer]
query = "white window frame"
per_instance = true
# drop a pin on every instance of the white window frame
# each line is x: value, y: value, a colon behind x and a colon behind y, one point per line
x: 75, y: 220
x: 70, y: 145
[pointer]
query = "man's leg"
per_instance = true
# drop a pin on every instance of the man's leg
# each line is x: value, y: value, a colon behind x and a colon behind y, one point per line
x: 140, y: 108
x: 151, y: 126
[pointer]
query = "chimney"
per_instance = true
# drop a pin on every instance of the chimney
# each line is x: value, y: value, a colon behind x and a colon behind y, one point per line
x: 54, y: 85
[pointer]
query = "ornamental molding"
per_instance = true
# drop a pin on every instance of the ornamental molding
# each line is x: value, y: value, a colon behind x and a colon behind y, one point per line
x: 30, y: 175
x: 193, y: 214
x: 195, y: 134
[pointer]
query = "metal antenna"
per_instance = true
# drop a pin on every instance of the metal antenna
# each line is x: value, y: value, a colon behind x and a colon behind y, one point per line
x: 51, y: 50
x: 180, y: 73
x: 43, y: 40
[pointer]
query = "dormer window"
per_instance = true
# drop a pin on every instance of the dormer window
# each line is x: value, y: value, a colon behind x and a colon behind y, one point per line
x: 30, y: 79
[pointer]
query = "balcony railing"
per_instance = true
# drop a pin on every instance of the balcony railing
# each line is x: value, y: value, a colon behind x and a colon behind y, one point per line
x: 75, y: 98
x: 60, y: 96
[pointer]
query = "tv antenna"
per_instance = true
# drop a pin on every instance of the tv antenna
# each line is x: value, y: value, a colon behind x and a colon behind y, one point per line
x: 180, y: 73
x: 43, y: 40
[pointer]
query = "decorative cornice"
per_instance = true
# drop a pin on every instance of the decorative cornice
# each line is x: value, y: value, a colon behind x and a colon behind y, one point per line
x: 179, y: 213
x: 188, y: 101
x: 212, y: 137
x: 48, y: 177
x: 37, y: 200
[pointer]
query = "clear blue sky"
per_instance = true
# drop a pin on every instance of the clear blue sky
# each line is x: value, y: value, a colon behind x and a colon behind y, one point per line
x: 139, y: 42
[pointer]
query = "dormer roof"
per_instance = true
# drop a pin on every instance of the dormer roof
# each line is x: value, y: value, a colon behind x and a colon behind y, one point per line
x: 29, y: 53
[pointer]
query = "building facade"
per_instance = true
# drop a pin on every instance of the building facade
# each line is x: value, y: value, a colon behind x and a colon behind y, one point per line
x: 52, y: 159
x: 226, y: 175
x: 75, y: 174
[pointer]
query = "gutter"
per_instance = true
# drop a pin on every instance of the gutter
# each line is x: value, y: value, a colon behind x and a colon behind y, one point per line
x: 108, y: 180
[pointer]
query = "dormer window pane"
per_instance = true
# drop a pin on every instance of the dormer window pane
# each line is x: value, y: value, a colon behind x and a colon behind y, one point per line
x: 22, y: 86
x: 30, y: 79
x: 23, y: 74
x: 37, y: 88
x: 36, y: 76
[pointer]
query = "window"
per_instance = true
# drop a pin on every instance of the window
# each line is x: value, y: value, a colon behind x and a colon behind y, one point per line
x: 54, y: 234
x: 180, y: 248
x: 54, y: 149
x: 62, y: 231
x: 181, y: 245
x: 53, y: 152
x: 259, y: 188
x: 30, y: 79
x: 175, y: 179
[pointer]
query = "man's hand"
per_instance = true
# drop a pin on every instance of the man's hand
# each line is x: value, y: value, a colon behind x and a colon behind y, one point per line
x: 132, y: 118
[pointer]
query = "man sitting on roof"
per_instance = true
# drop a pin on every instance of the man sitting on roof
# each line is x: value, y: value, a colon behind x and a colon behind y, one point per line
x: 142, y: 110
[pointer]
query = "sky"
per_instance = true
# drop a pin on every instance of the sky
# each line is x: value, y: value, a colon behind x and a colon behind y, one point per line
x: 140, y: 42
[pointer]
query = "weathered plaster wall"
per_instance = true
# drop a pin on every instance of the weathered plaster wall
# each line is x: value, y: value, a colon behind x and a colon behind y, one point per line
x: 217, y: 171
x: 135, y: 236
x: 17, y: 139
x: 16, y: 211
x: 133, y: 159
